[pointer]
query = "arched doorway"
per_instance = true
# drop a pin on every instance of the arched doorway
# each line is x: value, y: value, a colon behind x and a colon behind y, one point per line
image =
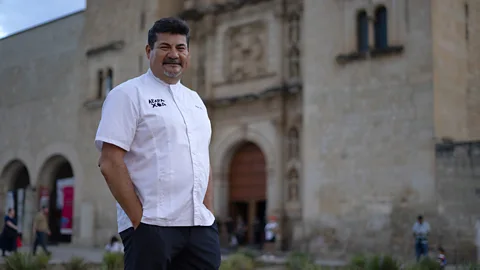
x: 56, y: 191
x: 16, y: 180
x: 247, y: 190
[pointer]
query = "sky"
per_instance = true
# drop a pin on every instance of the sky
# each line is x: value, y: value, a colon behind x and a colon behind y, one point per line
x: 19, y: 15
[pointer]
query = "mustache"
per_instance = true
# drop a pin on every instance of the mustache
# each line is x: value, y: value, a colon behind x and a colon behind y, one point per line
x: 172, y: 61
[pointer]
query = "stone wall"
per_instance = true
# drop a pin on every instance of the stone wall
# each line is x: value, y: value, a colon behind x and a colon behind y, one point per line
x: 367, y: 144
x: 39, y: 103
x: 473, y: 47
x: 458, y: 197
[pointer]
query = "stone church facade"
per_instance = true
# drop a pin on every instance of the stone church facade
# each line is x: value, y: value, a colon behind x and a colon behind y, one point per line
x: 344, y: 119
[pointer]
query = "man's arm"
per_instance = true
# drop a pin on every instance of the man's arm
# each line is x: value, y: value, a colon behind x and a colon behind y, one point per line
x: 115, y: 135
x: 208, y: 200
x: 118, y: 179
x: 10, y: 224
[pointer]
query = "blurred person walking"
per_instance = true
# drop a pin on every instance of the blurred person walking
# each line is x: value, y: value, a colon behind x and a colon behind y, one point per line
x: 8, y: 238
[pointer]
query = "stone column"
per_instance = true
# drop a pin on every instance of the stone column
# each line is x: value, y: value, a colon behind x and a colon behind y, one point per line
x: 30, y: 209
x: 86, y: 223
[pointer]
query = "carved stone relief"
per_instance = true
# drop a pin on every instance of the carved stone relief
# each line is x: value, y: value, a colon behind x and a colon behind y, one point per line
x: 246, y: 51
x: 293, y: 39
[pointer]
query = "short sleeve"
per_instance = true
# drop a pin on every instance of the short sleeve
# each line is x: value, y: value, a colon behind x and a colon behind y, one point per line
x: 118, y: 122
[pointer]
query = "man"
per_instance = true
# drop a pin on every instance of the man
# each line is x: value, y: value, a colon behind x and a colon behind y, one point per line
x: 421, y: 229
x: 154, y: 138
x: 41, y: 230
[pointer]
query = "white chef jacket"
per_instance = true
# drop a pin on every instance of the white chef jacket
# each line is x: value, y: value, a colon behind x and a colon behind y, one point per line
x: 166, y: 132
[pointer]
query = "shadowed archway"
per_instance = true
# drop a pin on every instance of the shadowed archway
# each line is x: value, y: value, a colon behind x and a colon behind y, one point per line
x: 55, y: 190
x: 15, y: 179
x: 248, y: 190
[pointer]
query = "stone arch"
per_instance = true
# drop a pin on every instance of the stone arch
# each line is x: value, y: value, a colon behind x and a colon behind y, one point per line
x: 11, y: 171
x: 14, y: 181
x: 55, y: 181
x: 45, y: 160
x: 226, y: 148
x: 223, y: 148
x: 58, y: 149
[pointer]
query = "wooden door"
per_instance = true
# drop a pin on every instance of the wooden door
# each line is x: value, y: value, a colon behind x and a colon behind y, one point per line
x: 248, y: 183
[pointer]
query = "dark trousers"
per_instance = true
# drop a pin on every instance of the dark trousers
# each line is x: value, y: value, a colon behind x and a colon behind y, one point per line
x: 8, y: 243
x: 40, y: 239
x: 128, y: 258
x: 176, y: 248
x: 421, y: 248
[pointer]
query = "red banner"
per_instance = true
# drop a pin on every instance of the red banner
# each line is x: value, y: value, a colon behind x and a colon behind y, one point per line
x: 67, y: 211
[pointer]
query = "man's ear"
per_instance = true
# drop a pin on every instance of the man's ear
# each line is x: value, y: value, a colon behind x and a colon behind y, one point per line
x: 148, y: 50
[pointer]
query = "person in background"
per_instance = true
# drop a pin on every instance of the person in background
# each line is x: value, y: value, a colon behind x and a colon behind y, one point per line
x: 442, y: 260
x: 271, y: 230
x: 9, y: 235
x: 232, y: 238
x: 41, y: 230
x: 240, y: 230
x: 114, y: 246
x: 421, y: 229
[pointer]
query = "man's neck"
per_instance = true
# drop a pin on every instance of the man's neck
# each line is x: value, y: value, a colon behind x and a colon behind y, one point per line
x: 165, y: 79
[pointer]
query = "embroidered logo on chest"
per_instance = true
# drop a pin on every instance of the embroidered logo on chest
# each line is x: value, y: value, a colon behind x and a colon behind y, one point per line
x: 157, y: 103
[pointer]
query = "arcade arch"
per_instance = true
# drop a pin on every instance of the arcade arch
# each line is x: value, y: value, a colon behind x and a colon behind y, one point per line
x: 56, y: 191
x: 15, y: 179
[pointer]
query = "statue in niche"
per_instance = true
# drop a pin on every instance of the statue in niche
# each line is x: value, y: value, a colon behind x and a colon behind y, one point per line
x: 293, y: 144
x: 293, y: 186
x: 246, y: 54
x: 293, y: 47
x: 294, y: 63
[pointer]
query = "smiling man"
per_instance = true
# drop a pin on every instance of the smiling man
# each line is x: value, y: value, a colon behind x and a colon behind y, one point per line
x: 154, y: 138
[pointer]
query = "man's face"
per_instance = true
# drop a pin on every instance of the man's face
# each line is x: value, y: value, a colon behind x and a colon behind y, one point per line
x: 420, y: 220
x: 169, y: 56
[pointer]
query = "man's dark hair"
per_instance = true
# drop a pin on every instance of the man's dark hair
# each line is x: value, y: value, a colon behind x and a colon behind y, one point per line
x: 420, y: 217
x: 113, y: 240
x: 170, y: 25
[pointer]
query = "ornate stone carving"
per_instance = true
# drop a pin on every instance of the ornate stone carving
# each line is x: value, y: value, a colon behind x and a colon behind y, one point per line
x: 293, y: 186
x: 293, y: 21
x: 246, y: 54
